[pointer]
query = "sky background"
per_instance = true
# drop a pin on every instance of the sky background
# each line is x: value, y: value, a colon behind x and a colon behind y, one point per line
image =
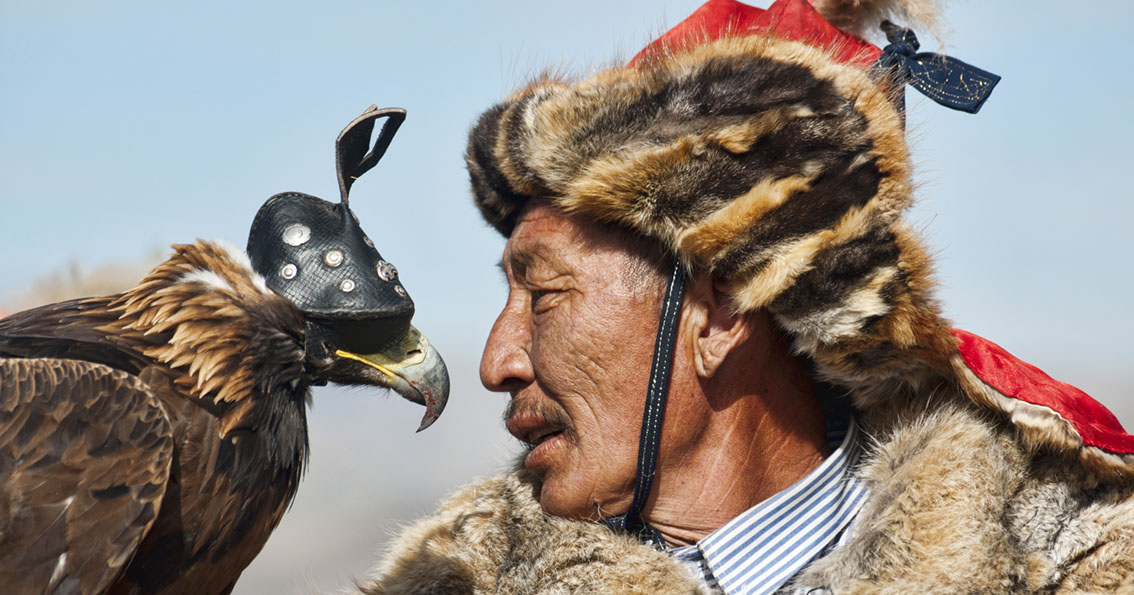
x: 131, y: 125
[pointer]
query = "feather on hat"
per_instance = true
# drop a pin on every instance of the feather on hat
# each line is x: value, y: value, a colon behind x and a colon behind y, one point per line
x: 754, y: 145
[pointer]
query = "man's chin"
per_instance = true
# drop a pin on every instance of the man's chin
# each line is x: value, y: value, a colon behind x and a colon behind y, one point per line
x: 567, y: 501
x: 554, y: 505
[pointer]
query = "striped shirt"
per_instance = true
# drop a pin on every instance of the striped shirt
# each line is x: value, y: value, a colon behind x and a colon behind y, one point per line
x: 760, y: 550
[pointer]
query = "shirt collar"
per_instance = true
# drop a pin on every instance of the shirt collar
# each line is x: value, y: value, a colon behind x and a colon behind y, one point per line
x: 763, y: 547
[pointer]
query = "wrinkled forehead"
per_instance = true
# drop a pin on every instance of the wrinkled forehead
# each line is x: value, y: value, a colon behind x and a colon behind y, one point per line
x: 544, y: 236
x: 541, y: 222
x: 539, y: 217
x: 547, y: 233
x: 548, y: 241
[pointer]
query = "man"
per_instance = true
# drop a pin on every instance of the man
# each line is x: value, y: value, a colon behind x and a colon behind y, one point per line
x: 569, y: 347
x: 811, y: 423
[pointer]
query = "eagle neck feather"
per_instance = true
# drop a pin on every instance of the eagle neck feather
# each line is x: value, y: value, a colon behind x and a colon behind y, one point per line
x: 230, y: 343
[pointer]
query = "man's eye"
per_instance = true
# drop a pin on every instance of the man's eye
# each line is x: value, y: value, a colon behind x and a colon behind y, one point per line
x: 539, y: 295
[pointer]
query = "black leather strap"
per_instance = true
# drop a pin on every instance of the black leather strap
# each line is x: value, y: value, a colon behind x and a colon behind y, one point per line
x: 351, y: 156
x: 632, y: 522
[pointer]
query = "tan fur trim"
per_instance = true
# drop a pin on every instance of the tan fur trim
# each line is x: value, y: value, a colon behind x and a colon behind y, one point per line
x: 783, y: 269
x: 939, y: 478
x: 912, y: 345
x: 915, y: 320
x: 844, y: 320
x: 504, y: 158
x: 876, y: 102
x: 708, y: 238
x: 884, y: 125
x: 560, y: 116
x: 492, y: 537
x: 1106, y: 562
x: 611, y: 188
x: 959, y: 505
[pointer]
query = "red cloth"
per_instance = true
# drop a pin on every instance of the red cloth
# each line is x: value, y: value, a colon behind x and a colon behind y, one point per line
x: 1020, y: 380
x: 789, y: 19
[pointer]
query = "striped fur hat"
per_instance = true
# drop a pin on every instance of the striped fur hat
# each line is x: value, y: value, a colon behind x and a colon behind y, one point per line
x: 780, y: 165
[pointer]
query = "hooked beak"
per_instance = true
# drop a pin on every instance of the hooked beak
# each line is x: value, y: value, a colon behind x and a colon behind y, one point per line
x: 413, y: 369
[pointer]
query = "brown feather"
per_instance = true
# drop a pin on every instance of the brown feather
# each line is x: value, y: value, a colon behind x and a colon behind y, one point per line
x: 83, y: 479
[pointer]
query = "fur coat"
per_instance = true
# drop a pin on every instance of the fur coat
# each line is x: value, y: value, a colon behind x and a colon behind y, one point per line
x: 957, y: 505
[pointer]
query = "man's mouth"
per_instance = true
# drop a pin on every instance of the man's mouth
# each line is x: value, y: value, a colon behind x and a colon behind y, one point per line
x: 535, y: 438
x: 533, y: 424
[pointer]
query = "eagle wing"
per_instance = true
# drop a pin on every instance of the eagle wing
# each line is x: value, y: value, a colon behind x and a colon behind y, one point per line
x: 85, y: 454
x: 70, y: 330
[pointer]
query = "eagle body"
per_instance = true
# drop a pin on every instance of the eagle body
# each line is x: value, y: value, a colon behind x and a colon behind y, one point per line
x: 150, y: 441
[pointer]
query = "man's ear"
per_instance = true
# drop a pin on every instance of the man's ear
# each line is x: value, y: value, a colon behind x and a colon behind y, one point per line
x: 716, y: 329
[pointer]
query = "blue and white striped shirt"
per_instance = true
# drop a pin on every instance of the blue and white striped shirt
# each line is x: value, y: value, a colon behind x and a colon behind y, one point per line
x: 765, y: 546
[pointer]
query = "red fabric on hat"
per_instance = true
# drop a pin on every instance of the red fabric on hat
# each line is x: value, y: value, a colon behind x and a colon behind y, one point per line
x: 790, y: 19
x: 1020, y: 380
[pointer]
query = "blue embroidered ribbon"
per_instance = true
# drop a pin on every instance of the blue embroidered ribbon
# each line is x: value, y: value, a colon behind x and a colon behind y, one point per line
x: 946, y: 80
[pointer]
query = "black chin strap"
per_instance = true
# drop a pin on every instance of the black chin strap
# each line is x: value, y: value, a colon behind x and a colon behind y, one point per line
x: 632, y: 522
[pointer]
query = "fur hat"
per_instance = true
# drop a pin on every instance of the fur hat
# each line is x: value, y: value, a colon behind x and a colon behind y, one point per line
x: 781, y: 166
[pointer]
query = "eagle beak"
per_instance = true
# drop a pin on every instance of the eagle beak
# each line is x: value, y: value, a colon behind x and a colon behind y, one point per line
x: 413, y: 369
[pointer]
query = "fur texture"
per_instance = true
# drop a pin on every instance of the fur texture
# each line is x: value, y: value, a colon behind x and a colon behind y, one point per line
x: 492, y: 537
x: 957, y: 505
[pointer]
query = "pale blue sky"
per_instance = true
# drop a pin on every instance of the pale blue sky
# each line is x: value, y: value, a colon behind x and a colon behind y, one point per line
x: 131, y: 125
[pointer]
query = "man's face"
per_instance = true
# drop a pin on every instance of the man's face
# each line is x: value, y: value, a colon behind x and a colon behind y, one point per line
x: 572, y: 347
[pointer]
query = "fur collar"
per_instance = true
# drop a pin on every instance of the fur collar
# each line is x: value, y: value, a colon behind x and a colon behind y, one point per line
x: 957, y: 504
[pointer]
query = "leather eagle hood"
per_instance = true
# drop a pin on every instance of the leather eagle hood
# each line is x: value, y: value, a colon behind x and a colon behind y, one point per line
x: 783, y: 168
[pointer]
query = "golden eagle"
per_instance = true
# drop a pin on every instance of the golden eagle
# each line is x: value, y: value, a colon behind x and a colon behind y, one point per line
x: 150, y: 441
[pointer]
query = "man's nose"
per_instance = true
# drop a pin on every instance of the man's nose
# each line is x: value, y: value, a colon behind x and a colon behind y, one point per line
x: 506, y: 363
